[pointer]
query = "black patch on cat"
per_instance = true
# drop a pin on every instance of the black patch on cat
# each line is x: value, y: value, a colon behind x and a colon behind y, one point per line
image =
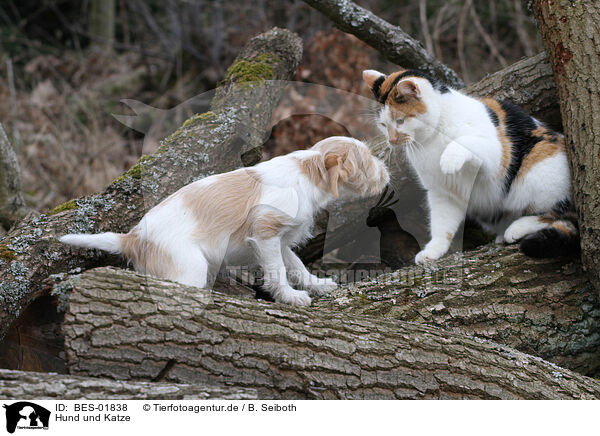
x: 492, y: 115
x: 563, y: 207
x: 437, y: 85
x: 519, y: 126
x: 377, y: 86
x: 550, y: 242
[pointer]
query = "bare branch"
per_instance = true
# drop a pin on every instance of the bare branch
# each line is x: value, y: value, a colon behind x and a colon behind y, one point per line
x: 390, y: 40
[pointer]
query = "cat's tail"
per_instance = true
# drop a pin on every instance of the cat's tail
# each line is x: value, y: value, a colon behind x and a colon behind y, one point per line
x: 110, y: 242
x: 560, y: 238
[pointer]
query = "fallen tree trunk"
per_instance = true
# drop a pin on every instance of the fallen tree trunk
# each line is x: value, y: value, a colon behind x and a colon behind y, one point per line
x: 132, y: 327
x: 21, y: 385
x: 204, y: 145
x: 543, y: 307
x: 570, y: 33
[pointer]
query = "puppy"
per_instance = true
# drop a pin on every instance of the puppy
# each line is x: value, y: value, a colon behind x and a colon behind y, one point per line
x: 248, y: 217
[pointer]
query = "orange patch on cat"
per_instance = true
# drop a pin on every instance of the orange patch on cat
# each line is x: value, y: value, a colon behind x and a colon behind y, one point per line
x: 389, y: 82
x: 407, y: 109
x: 540, y: 151
x: 505, y: 142
x: 566, y: 227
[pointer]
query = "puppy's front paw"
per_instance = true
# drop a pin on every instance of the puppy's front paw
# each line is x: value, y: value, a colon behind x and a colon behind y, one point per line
x: 289, y: 295
x: 322, y: 287
x: 451, y: 162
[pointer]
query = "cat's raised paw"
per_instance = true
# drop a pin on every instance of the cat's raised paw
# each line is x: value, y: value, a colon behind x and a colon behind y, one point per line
x: 451, y: 163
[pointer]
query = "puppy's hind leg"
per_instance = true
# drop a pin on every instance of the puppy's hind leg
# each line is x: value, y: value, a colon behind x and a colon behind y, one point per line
x: 270, y: 258
x: 299, y: 275
x: 191, y: 267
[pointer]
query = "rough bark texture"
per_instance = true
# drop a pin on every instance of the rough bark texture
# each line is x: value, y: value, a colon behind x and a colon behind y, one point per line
x: 20, y: 385
x: 542, y: 307
x: 571, y: 34
x: 12, y: 204
x: 389, y: 40
x: 206, y: 144
x: 528, y: 83
x: 124, y: 325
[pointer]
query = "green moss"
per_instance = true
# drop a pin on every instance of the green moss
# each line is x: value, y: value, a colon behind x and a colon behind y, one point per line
x: 258, y: 69
x: 204, y: 117
x: 135, y: 172
x: 6, y: 253
x: 69, y: 205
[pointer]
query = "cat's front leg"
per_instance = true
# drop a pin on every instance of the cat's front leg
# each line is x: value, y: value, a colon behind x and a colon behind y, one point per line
x: 455, y: 156
x: 446, y: 214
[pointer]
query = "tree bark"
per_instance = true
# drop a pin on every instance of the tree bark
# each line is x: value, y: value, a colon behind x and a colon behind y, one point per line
x: 21, y: 385
x: 571, y: 34
x: 124, y: 325
x: 204, y: 145
x: 543, y: 307
x: 391, y: 41
x: 528, y: 83
x: 12, y: 203
x: 102, y: 23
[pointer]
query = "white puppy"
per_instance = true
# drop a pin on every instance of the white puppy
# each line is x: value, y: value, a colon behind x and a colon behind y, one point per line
x: 251, y: 216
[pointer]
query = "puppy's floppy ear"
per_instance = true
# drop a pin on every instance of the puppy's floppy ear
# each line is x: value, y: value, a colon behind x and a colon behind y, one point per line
x: 374, y: 79
x: 409, y: 88
x: 335, y: 172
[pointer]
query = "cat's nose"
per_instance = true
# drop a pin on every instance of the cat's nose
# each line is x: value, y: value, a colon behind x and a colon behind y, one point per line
x: 394, y: 140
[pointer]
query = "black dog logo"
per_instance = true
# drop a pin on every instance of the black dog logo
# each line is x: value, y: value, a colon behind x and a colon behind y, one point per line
x: 26, y: 415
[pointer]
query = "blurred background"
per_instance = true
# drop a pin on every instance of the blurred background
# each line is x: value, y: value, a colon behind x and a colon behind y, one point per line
x: 65, y: 65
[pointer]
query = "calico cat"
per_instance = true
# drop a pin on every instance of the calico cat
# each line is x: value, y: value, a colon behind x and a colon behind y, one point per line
x: 482, y: 157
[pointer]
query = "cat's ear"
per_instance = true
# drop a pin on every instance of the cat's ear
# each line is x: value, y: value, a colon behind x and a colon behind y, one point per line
x: 374, y: 80
x: 335, y: 173
x: 371, y: 76
x: 409, y: 88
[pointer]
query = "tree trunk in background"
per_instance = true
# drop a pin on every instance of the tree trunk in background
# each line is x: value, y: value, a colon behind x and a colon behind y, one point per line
x: 571, y: 34
x: 206, y: 144
x: 102, y: 23
x: 12, y: 204
x: 132, y: 327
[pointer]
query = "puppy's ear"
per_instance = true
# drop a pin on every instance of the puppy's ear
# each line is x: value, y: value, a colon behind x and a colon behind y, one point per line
x: 374, y: 79
x: 409, y: 88
x: 335, y: 173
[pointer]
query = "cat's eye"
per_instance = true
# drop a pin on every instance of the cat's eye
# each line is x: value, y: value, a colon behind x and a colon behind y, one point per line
x: 399, y: 122
x: 381, y: 124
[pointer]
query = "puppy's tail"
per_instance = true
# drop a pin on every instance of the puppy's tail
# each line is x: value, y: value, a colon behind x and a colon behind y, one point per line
x: 109, y: 241
x: 560, y: 238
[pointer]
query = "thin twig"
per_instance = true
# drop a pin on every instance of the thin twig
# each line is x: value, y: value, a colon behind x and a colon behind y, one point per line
x: 460, y: 40
x: 520, y: 28
x: 425, y: 25
x: 486, y: 37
